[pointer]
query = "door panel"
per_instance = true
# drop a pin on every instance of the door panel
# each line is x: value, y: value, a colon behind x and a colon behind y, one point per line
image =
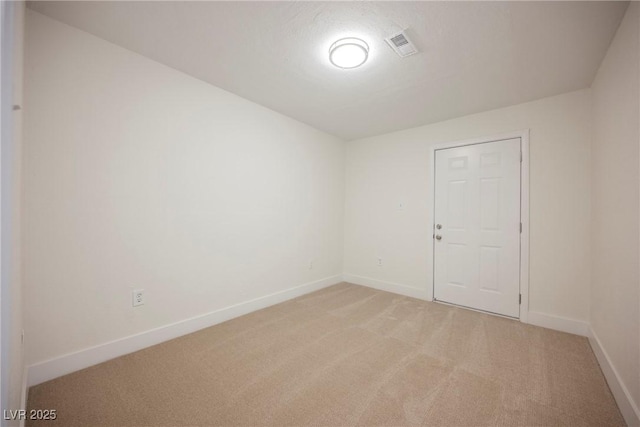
x: 457, y: 201
x: 477, y: 205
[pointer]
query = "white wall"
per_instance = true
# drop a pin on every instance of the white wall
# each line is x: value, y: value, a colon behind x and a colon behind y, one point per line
x: 139, y: 176
x: 12, y: 368
x: 386, y: 170
x: 615, y: 305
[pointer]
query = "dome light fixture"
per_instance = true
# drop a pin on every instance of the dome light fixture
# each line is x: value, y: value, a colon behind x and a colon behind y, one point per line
x: 348, y: 53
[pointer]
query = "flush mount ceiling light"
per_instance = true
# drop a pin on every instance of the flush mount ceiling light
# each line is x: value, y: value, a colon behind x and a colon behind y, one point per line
x: 348, y: 53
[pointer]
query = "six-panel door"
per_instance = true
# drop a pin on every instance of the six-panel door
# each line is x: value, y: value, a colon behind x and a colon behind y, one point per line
x: 477, y: 231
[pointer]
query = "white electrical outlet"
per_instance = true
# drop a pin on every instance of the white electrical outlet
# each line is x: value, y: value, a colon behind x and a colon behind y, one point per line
x: 138, y: 297
x: 310, y: 264
x: 379, y: 262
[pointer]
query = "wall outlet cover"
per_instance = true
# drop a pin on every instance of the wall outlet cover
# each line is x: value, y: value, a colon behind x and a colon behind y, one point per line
x: 137, y: 297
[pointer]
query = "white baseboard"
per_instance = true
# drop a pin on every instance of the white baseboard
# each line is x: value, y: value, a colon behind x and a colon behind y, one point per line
x: 62, y: 365
x: 627, y: 406
x: 545, y: 320
x: 395, y: 288
x: 564, y: 324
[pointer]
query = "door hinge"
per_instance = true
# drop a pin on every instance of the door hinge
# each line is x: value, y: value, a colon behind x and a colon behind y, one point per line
x: 521, y: 157
x: 520, y: 299
x: 520, y: 227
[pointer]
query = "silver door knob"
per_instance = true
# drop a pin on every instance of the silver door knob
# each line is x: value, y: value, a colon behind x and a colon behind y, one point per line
x: 438, y: 226
x: 438, y: 237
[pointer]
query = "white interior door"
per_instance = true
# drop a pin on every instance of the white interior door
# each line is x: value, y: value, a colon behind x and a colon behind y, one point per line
x: 477, y: 226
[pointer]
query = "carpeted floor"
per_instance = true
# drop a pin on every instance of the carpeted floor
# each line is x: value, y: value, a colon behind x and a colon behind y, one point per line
x: 345, y: 355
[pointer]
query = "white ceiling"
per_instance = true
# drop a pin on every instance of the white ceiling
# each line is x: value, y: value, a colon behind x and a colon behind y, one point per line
x: 473, y: 56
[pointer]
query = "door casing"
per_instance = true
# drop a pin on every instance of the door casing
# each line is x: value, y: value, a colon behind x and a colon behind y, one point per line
x: 524, y: 210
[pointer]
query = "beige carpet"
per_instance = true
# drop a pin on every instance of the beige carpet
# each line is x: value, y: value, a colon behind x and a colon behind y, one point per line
x: 345, y: 355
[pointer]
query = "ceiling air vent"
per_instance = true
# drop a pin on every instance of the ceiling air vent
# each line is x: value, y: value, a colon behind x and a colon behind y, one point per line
x: 401, y: 44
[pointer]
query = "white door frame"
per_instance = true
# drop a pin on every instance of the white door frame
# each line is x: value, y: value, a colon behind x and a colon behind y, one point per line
x: 524, y: 209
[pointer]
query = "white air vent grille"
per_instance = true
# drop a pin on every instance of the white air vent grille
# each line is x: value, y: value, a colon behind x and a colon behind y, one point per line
x: 401, y: 44
x: 399, y: 40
